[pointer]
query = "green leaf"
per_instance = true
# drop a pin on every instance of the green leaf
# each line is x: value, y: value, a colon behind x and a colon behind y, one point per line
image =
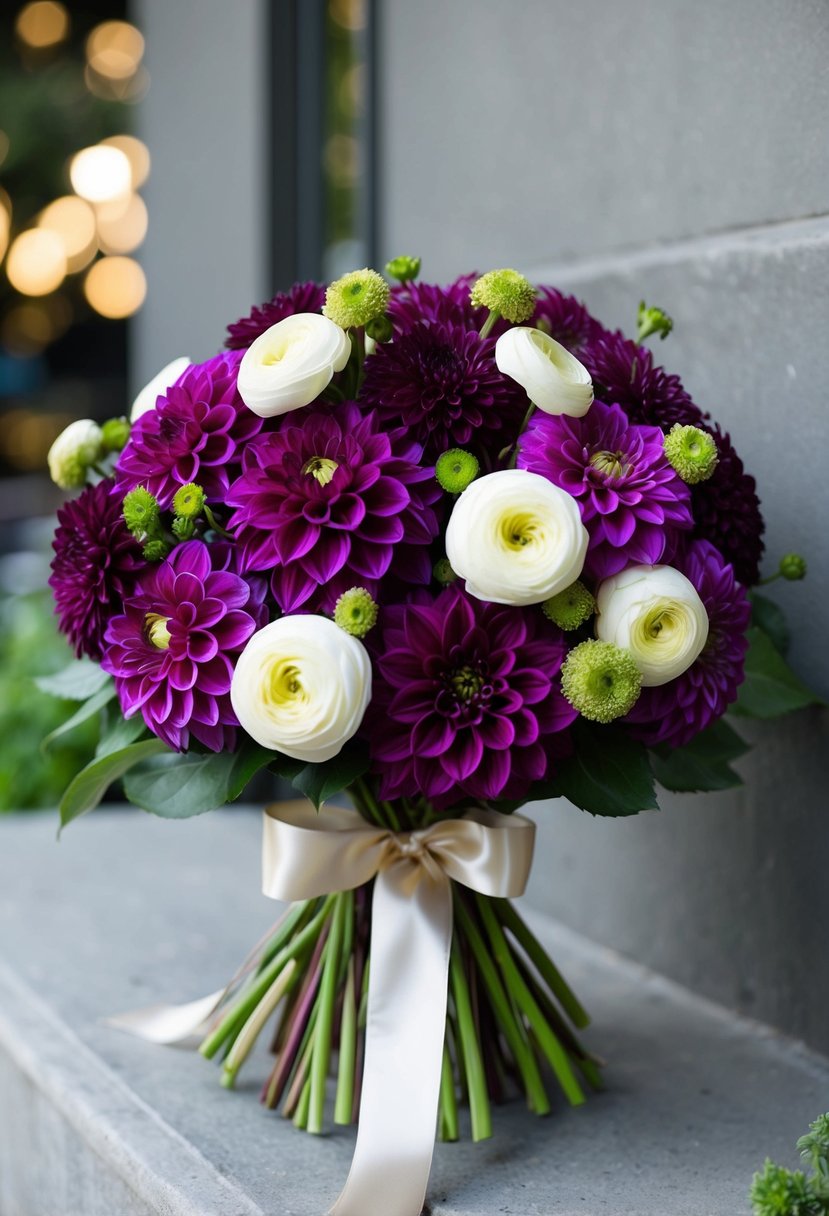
x: 120, y: 733
x: 608, y: 774
x: 89, y: 786
x: 703, y: 764
x: 86, y: 711
x: 179, y: 786
x: 770, y: 687
x: 81, y: 679
x: 770, y: 617
x: 319, y: 782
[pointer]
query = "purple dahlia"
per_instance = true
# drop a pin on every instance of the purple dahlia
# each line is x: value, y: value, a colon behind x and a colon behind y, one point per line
x: 95, y: 566
x: 675, y: 712
x: 441, y: 382
x: 194, y: 434
x: 623, y: 373
x: 466, y: 700
x: 414, y: 303
x: 727, y: 511
x: 171, y: 650
x: 303, y: 297
x: 633, y: 504
x: 566, y: 319
x: 333, y: 500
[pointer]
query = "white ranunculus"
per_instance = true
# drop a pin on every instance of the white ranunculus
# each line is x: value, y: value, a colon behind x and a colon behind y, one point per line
x: 74, y: 450
x: 157, y: 387
x: 516, y: 538
x: 552, y: 378
x: 290, y: 364
x: 656, y: 614
x: 301, y: 687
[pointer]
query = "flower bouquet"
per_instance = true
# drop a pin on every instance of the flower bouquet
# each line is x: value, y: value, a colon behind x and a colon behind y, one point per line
x: 426, y: 553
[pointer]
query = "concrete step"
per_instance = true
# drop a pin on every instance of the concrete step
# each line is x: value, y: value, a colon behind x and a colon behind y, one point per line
x: 127, y: 910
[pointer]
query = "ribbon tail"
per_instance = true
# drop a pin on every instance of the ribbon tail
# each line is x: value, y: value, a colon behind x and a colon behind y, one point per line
x: 411, y: 937
x: 169, y: 1024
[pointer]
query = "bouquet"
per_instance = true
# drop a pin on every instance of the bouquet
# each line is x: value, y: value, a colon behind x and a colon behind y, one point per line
x: 428, y: 554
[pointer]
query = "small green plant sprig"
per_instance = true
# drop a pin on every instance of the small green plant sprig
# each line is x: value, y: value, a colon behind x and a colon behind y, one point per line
x: 777, y: 1191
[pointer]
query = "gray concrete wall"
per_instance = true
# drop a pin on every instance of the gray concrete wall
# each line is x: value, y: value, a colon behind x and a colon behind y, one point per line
x: 206, y: 254
x: 678, y: 152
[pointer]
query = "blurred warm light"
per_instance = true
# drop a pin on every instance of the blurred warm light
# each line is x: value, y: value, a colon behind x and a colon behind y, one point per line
x: 100, y: 174
x: 4, y: 146
x: 115, y: 49
x: 341, y: 159
x: 73, y: 220
x: 350, y: 14
x: 115, y: 287
x: 124, y: 230
x: 5, y: 221
x: 352, y: 90
x: 42, y: 23
x: 28, y: 434
x: 129, y: 90
x: 36, y: 263
x: 136, y: 152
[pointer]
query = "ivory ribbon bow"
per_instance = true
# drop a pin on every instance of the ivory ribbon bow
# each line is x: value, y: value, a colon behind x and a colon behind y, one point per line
x: 308, y: 853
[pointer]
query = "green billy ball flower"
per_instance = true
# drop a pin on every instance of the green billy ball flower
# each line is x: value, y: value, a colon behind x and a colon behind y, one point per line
x: 140, y: 512
x: 443, y: 572
x: 114, y: 434
x: 793, y: 567
x: 188, y: 501
x: 456, y: 469
x: 357, y: 298
x: 571, y: 607
x: 380, y: 329
x: 692, y: 452
x: 505, y: 292
x: 156, y: 550
x: 652, y: 321
x: 600, y: 680
x: 404, y: 268
x: 355, y: 612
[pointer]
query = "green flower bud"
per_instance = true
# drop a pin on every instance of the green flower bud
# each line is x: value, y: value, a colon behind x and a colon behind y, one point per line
x: 456, y: 469
x: 356, y: 299
x: 600, y: 680
x: 140, y: 512
x: 443, y: 572
x: 156, y: 550
x: 404, y: 268
x: 692, y: 452
x: 652, y: 321
x: 380, y: 329
x: 188, y: 501
x: 355, y: 612
x: 72, y: 454
x: 793, y: 567
x: 183, y: 529
x: 114, y: 434
x: 571, y: 607
x: 505, y: 292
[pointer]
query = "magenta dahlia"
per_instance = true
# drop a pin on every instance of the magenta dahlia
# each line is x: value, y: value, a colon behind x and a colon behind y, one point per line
x: 623, y: 373
x: 674, y: 713
x: 171, y: 649
x: 331, y: 500
x: 441, y: 382
x: 566, y: 319
x: 727, y: 511
x: 633, y: 503
x: 194, y: 434
x: 303, y: 297
x: 95, y: 565
x: 466, y: 700
x: 413, y: 303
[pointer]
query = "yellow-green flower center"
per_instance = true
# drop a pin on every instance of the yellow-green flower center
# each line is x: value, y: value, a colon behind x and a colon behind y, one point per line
x: 322, y: 468
x: 466, y: 683
x: 157, y: 630
x: 284, y: 684
x: 518, y: 530
x: 611, y: 464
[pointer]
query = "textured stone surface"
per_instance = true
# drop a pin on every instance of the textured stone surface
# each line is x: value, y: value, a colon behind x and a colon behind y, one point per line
x: 127, y: 910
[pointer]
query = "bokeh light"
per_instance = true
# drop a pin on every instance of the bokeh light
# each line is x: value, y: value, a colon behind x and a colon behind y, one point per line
x: 42, y: 24
x: 114, y: 49
x: 4, y: 146
x: 73, y: 220
x: 115, y: 287
x: 5, y: 222
x: 350, y: 14
x: 341, y: 159
x: 136, y: 152
x: 122, y: 228
x: 36, y: 263
x: 100, y: 173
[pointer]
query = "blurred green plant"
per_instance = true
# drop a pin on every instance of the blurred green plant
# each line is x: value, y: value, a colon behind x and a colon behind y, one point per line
x: 777, y: 1191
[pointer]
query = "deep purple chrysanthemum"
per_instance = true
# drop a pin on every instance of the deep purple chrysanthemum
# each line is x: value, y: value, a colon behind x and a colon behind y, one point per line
x: 727, y: 511
x: 413, y: 303
x: 332, y: 500
x: 633, y: 504
x: 566, y: 319
x: 303, y: 297
x: 441, y: 382
x: 194, y: 434
x: 674, y: 712
x: 171, y: 650
x: 95, y: 565
x: 623, y: 373
x: 466, y: 700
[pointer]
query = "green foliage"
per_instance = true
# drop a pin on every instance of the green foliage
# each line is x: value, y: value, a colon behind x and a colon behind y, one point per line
x: 703, y: 764
x: 607, y: 774
x: 770, y: 688
x: 319, y: 782
x: 81, y: 679
x: 777, y: 1191
x: 179, y: 786
x: 814, y: 1146
x: 770, y: 617
x: 88, y: 787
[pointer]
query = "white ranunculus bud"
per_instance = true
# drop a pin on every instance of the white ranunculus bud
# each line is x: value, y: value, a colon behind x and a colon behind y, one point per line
x: 290, y: 364
x: 301, y: 687
x: 157, y: 387
x: 516, y: 538
x: 74, y: 450
x: 656, y: 614
x: 552, y: 378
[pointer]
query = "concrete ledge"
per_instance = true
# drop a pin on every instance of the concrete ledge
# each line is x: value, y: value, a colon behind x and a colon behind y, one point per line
x: 129, y: 909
